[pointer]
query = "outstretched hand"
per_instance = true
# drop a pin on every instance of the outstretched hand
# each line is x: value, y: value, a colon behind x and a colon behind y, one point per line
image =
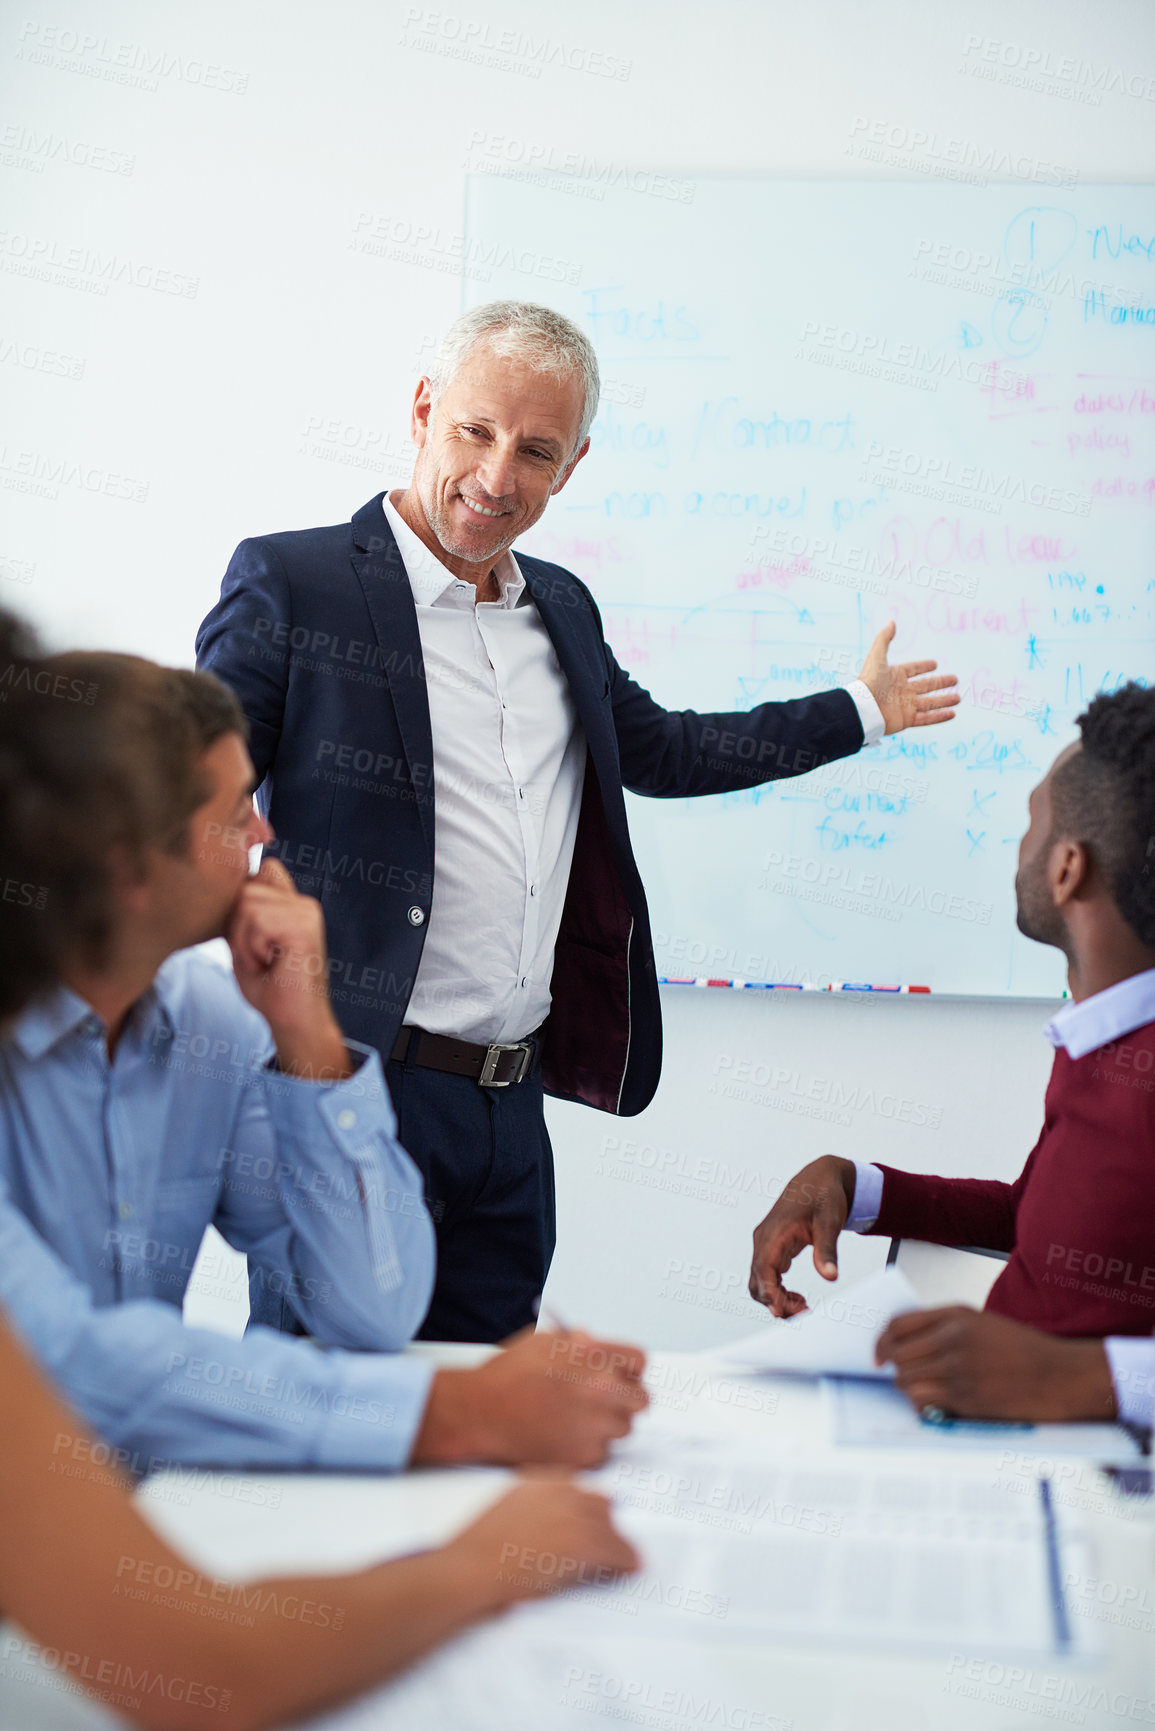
x: 905, y: 693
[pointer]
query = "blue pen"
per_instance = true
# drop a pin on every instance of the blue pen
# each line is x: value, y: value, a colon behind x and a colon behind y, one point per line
x: 1054, y: 1573
x: 941, y: 1420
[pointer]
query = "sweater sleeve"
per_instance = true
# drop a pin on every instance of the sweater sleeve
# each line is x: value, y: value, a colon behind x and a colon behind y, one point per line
x: 976, y: 1212
x: 979, y: 1212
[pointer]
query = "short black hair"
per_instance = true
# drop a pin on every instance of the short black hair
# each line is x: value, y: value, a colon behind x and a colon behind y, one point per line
x: 1104, y: 796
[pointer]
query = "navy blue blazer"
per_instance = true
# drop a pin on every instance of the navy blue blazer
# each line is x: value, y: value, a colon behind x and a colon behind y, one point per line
x: 316, y: 631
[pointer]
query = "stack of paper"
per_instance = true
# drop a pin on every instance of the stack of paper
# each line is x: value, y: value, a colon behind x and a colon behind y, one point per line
x: 849, y: 1554
x: 836, y: 1337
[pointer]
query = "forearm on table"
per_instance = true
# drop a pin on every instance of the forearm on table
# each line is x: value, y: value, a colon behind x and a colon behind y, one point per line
x: 83, y: 1572
x: 160, y: 1390
x: 389, y: 1617
x: 294, y: 1644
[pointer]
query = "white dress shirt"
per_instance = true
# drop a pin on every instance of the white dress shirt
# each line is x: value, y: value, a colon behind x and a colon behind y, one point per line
x: 1078, y: 1029
x: 509, y: 760
x: 1083, y: 1028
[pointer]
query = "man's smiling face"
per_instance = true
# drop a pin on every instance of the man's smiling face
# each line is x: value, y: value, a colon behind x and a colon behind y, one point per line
x: 498, y: 445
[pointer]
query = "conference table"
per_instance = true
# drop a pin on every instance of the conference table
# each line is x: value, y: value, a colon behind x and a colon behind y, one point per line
x: 679, y: 1661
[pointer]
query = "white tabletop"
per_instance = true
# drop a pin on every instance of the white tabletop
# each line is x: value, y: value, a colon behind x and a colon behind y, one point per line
x: 563, y: 1668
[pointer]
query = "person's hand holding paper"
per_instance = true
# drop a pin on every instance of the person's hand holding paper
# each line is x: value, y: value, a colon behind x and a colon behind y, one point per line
x: 978, y: 1365
x: 837, y: 1337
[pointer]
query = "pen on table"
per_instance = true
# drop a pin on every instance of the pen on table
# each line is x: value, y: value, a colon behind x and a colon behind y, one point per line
x: 943, y: 1420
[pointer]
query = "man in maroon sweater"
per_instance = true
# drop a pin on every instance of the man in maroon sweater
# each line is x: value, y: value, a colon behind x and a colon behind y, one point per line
x: 1067, y: 1328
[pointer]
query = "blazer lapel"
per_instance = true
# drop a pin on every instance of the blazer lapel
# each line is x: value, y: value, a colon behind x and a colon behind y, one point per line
x: 381, y: 573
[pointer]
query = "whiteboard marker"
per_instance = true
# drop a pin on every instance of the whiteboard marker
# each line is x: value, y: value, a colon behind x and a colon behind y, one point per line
x: 703, y: 982
x: 770, y: 985
x: 846, y: 986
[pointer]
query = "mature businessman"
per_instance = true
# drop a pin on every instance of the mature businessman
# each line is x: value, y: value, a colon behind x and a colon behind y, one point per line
x: 443, y: 735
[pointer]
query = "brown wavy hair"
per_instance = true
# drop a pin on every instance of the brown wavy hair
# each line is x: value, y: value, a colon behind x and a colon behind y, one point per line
x: 99, y: 761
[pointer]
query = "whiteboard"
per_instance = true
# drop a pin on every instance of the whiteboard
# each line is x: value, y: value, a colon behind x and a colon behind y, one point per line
x: 827, y: 404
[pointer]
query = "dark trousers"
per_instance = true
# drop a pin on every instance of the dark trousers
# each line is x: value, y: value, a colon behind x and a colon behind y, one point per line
x: 486, y: 1159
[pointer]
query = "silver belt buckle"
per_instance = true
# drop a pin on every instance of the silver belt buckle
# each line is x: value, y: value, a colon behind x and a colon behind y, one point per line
x: 487, y: 1078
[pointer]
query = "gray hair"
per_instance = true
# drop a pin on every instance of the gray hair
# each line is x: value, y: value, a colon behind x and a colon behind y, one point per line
x: 522, y: 331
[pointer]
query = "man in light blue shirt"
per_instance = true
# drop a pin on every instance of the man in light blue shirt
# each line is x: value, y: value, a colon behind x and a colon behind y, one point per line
x: 155, y: 1092
x: 119, y: 1163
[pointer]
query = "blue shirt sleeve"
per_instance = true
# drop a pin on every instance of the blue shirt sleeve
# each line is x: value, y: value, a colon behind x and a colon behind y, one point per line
x: 159, y: 1391
x: 329, y: 1207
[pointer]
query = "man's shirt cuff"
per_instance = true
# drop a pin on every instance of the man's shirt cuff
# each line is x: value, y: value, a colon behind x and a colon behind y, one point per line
x: 870, y: 715
x: 361, y: 1130
x: 374, y: 1417
x: 864, y: 1210
x: 1132, y: 1362
x: 355, y: 1109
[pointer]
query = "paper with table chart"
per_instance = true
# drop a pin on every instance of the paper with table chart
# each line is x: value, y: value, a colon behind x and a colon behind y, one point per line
x: 926, y: 1557
x: 866, y: 1412
x: 975, y: 1581
x: 835, y: 1337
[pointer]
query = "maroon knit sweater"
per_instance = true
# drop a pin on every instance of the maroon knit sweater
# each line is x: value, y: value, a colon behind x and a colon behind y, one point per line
x: 1080, y: 1221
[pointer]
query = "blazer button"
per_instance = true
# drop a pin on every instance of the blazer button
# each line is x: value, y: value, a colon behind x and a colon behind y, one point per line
x: 417, y: 916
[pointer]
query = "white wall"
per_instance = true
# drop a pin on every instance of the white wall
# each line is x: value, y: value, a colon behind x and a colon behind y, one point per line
x: 656, y: 1212
x: 272, y: 393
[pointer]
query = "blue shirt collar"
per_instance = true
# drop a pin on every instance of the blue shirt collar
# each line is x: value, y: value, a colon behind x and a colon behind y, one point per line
x: 47, y: 1021
x: 61, y: 1012
x: 1108, y: 1015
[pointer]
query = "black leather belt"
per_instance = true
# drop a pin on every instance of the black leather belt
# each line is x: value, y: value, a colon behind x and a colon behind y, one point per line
x: 496, y: 1066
